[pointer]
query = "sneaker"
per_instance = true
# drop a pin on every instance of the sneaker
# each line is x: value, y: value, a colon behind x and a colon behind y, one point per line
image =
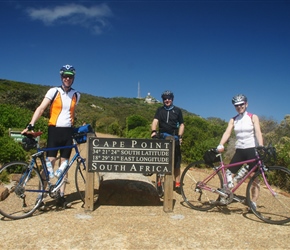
x: 177, y: 190
x: 62, y: 203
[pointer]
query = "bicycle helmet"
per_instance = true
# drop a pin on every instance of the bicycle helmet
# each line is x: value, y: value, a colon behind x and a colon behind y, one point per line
x: 68, y: 70
x: 239, y: 99
x: 167, y: 93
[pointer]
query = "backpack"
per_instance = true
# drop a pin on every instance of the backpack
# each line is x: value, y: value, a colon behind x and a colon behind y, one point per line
x: 80, y: 133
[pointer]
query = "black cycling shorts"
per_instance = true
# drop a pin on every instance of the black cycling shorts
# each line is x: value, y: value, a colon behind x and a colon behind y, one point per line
x: 243, y: 155
x: 58, y: 137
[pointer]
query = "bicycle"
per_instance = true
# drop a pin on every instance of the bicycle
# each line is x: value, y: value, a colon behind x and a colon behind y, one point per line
x: 26, y: 182
x: 272, y: 205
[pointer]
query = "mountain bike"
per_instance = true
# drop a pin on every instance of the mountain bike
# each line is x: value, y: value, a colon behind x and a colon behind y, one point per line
x: 29, y: 183
x: 204, y: 186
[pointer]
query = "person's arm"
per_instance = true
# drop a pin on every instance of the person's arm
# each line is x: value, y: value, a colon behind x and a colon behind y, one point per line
x: 38, y: 112
x: 154, y: 127
x: 226, y: 135
x: 180, y: 132
x: 258, y: 132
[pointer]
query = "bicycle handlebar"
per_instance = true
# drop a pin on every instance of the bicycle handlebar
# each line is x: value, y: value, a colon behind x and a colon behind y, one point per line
x: 266, y: 153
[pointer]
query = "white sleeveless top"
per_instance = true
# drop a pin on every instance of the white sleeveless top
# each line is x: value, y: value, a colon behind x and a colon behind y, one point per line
x: 245, y: 132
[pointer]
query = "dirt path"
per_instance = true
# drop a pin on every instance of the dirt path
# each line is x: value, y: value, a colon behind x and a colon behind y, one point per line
x: 128, y: 227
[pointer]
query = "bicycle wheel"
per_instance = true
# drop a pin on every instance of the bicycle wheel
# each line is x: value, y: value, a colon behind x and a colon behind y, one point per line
x: 269, y: 207
x: 80, y: 182
x: 160, y: 184
x: 195, y: 197
x: 22, y: 190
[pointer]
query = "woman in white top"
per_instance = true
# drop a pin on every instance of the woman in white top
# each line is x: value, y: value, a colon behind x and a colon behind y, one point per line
x: 248, y: 135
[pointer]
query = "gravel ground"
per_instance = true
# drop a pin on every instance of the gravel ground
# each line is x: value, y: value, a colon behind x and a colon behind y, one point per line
x: 140, y: 227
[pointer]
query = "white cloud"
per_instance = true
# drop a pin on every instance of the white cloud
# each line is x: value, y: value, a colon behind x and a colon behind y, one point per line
x: 74, y: 14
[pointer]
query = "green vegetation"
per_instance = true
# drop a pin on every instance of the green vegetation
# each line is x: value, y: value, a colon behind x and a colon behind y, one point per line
x: 124, y: 117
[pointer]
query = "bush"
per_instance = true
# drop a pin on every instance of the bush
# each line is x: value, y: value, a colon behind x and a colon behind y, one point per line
x: 11, y: 150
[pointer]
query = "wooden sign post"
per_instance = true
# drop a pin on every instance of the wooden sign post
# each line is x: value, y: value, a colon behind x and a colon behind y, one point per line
x: 130, y: 156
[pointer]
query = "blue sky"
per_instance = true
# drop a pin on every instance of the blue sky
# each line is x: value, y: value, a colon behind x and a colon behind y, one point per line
x: 203, y: 51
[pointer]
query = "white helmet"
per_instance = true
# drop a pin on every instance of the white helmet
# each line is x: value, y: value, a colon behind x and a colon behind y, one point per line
x: 239, y: 99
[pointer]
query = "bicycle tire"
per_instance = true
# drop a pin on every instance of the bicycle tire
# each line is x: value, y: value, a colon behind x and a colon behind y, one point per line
x: 269, y: 208
x: 22, y: 197
x: 160, y: 188
x: 197, y: 198
x: 80, y: 182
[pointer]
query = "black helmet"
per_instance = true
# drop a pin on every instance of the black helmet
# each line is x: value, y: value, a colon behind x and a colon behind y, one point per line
x: 167, y: 93
x: 239, y: 99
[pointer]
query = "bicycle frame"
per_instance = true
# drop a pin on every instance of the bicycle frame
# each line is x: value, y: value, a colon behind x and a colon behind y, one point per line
x: 223, y: 167
x: 59, y: 182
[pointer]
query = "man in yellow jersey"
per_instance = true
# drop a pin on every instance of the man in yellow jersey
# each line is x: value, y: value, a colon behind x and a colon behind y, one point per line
x: 62, y: 101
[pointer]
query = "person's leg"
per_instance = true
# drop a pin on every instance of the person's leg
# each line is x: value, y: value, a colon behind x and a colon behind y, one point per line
x: 177, y: 163
x: 66, y: 140
x: 255, y: 190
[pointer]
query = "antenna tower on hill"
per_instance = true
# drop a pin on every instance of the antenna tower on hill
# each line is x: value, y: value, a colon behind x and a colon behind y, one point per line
x: 139, y: 91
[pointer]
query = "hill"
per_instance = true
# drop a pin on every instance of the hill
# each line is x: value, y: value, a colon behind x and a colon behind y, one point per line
x: 104, y: 112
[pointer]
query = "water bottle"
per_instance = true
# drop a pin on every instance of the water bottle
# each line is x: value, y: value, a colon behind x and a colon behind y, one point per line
x: 242, y: 172
x: 62, y: 167
x: 49, y: 168
x: 229, y: 178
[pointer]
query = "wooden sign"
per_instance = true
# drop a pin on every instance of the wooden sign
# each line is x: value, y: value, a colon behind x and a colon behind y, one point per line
x: 129, y: 155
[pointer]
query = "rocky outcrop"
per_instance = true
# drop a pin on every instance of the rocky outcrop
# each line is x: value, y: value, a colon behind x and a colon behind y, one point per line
x: 4, y: 192
x: 126, y: 189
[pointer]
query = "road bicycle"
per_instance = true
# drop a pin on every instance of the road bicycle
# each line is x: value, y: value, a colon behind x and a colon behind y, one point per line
x: 204, y: 186
x: 29, y: 183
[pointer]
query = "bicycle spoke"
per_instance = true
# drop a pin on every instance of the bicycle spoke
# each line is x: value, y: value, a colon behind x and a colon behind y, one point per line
x: 198, y: 198
x: 272, y: 204
x: 22, y: 190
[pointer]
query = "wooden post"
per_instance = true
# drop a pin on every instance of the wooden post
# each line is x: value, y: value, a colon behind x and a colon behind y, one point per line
x: 168, y: 182
x: 89, y: 189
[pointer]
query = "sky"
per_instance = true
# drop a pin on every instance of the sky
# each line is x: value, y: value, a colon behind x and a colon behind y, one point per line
x: 205, y: 52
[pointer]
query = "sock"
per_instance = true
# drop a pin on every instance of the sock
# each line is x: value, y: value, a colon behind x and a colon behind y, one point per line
x: 177, y: 184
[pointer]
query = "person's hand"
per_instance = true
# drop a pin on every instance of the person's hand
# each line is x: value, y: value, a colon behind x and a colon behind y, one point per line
x: 220, y: 148
x: 154, y: 134
x: 29, y: 127
x: 24, y: 131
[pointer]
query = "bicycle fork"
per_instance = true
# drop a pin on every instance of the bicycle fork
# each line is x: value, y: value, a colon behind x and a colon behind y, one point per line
x: 20, y: 188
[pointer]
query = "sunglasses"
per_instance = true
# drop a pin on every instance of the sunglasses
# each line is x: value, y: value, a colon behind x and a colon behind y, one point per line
x: 68, y: 76
x: 240, y: 105
x: 167, y: 98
